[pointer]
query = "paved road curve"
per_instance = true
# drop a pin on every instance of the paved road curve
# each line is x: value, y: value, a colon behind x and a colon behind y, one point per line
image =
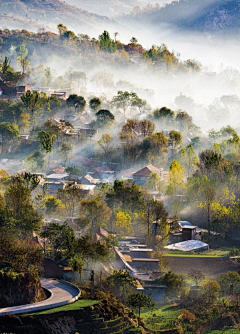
x: 61, y: 294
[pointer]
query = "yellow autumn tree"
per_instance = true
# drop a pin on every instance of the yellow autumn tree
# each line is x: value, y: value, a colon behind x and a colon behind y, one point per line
x: 124, y: 223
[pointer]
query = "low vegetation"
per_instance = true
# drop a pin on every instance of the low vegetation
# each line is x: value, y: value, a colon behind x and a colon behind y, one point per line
x: 74, y: 306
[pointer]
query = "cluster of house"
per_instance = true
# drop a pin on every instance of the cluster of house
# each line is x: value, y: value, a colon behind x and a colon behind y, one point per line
x: 131, y: 255
x: 7, y: 89
x: 81, y: 123
x: 94, y: 175
x: 183, y: 236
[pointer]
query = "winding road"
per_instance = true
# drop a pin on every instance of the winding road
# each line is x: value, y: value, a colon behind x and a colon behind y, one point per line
x: 62, y: 293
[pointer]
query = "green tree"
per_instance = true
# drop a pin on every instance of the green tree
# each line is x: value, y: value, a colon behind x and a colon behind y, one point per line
x: 196, y: 275
x: 22, y: 59
x: 65, y: 151
x: 121, y: 283
x: 77, y: 264
x: 135, y: 128
x: 18, y: 197
x: 152, y: 210
x: 209, y: 195
x: 210, y: 291
x: 105, y: 143
x: 71, y: 198
x: 95, y: 212
x: 124, y: 100
x: 78, y: 102
x: 139, y: 301
x: 61, y: 29
x: 174, y: 283
x: 6, y: 65
x: 159, y: 215
x: 104, y: 117
x: 165, y: 115
x: 78, y: 77
x: 46, y: 141
x: 91, y: 251
x: 125, y: 196
x: 189, y: 158
x: 8, y: 73
x: 31, y: 101
x: 209, y: 162
x: 95, y: 103
x: 184, y: 121
x: 35, y: 161
x: 155, y: 147
x: 48, y: 75
x: 134, y: 40
x: 62, y: 240
x: 229, y: 281
x: 154, y: 182
x: 176, y: 140
x: 74, y: 171
x: 8, y: 132
x: 52, y: 205
x: 139, y: 103
x: 19, y: 255
x: 106, y: 43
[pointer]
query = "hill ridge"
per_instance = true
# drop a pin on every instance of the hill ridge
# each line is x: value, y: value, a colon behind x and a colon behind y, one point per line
x: 53, y: 12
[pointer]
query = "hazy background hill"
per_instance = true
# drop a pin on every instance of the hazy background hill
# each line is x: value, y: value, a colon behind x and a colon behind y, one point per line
x: 50, y: 13
x: 106, y: 7
x: 111, y: 7
x: 193, y: 15
x: 180, y: 25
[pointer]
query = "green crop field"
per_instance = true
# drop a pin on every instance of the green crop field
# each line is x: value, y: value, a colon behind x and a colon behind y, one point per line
x: 162, y: 318
x: 74, y: 306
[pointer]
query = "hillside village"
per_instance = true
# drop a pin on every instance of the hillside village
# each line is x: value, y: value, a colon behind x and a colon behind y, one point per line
x: 131, y: 207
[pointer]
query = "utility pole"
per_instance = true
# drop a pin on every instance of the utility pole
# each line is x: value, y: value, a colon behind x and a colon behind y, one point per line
x: 101, y: 279
x: 92, y: 282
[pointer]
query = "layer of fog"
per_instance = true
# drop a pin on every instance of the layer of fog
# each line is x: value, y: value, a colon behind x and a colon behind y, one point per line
x: 112, y: 8
x: 201, y: 92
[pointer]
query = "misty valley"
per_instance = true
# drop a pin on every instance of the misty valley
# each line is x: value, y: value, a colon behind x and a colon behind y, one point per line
x: 119, y: 167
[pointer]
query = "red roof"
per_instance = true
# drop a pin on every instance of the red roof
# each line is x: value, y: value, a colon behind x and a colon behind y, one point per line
x: 146, y: 171
x: 102, y: 169
x: 60, y: 170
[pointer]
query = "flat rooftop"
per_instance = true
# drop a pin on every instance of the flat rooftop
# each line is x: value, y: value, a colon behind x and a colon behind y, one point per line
x: 141, y: 249
x: 187, y: 246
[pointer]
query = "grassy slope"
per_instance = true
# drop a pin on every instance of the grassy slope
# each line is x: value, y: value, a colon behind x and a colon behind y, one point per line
x: 164, y: 314
x: 212, y: 253
x: 70, y: 307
